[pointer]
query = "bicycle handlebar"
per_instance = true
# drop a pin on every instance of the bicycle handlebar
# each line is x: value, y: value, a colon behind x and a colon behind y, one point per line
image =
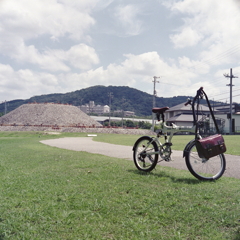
x: 199, y: 94
x: 188, y: 102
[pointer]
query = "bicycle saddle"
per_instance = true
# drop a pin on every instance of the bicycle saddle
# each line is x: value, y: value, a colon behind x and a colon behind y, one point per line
x: 160, y: 110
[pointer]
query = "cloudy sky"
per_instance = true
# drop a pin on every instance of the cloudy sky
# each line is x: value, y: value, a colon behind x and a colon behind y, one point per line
x: 59, y: 46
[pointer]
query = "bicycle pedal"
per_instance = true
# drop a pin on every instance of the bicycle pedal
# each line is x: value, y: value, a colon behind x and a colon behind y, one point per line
x: 169, y: 160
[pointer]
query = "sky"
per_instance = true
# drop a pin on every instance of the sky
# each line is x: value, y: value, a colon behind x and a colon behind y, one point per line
x: 60, y: 46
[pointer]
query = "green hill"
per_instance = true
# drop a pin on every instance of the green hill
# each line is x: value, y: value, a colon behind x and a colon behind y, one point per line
x: 126, y: 98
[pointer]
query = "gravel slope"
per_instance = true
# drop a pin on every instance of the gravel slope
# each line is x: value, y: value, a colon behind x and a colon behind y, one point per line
x: 48, y: 114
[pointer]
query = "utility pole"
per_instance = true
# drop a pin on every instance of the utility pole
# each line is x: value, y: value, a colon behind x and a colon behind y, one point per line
x: 123, y: 100
x: 110, y: 95
x: 154, y: 98
x: 231, y: 76
x: 5, y: 110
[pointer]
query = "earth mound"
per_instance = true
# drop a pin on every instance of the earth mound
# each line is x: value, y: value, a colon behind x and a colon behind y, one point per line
x: 48, y: 114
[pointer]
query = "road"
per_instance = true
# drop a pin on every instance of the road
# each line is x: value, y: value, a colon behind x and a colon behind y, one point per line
x: 125, y: 152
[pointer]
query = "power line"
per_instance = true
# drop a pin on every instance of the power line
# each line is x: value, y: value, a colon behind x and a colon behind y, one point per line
x: 226, y: 98
x: 226, y: 92
x: 217, y: 57
x: 236, y: 95
x: 170, y: 84
x: 211, y: 60
x: 222, y: 55
x: 225, y: 54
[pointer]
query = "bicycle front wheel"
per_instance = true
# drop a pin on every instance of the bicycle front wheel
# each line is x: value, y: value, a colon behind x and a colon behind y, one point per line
x: 204, y: 169
x: 145, y: 154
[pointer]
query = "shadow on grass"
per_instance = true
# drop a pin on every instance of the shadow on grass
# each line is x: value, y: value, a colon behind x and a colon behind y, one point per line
x: 237, y: 235
x: 166, y: 175
x: 2, y: 237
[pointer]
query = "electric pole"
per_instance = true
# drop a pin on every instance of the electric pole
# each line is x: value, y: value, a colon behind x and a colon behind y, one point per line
x: 5, y: 110
x: 123, y: 102
x: 231, y: 76
x: 110, y: 95
x: 154, y: 98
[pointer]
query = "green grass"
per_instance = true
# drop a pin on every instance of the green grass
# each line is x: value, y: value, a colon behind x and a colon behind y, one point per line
x: 179, y: 141
x: 51, y: 193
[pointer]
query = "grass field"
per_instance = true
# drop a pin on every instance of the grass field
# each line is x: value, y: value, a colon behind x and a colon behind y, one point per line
x: 179, y: 141
x: 50, y: 193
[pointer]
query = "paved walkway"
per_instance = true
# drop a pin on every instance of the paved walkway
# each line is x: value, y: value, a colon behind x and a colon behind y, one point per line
x: 86, y: 144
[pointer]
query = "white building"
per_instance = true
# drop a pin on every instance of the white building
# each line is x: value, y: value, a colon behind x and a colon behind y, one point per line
x: 124, y: 113
x: 92, y: 108
x: 181, y: 115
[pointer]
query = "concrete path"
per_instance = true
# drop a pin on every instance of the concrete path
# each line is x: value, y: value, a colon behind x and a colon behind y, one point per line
x: 86, y: 144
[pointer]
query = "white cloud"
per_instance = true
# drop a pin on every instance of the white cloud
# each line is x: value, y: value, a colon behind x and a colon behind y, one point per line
x: 100, y: 5
x: 127, y: 17
x: 25, y: 83
x: 82, y: 56
x: 24, y: 21
x: 187, y: 38
x: 197, y: 67
x: 29, y: 19
x: 85, y: 5
x: 143, y: 64
x: 49, y: 60
x: 135, y: 71
x: 7, y: 78
x: 207, y: 23
x: 49, y: 46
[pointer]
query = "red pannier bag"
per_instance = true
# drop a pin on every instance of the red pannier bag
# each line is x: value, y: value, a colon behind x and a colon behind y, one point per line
x: 210, y: 146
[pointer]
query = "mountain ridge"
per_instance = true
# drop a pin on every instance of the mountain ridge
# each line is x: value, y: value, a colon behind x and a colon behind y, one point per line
x: 122, y: 98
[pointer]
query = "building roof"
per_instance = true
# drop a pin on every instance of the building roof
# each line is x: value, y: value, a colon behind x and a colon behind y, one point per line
x: 182, y: 107
x: 184, y: 118
x: 181, y: 118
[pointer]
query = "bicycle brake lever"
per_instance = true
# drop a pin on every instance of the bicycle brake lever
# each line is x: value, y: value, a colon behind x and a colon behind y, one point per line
x: 188, y: 102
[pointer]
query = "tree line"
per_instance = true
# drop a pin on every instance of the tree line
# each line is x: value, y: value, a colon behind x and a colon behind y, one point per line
x: 129, y: 124
x: 120, y: 98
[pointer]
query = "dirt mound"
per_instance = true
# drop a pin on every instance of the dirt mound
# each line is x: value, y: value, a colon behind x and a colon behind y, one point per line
x: 48, y: 115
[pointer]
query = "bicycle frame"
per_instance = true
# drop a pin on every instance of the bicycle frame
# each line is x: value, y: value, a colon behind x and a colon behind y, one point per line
x: 165, y: 148
x: 173, y: 129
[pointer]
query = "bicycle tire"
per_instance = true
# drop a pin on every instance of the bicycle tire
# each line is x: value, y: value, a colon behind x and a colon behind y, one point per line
x: 204, y: 169
x: 143, y: 160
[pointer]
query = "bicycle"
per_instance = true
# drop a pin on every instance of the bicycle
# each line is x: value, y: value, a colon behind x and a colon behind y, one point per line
x: 147, y: 150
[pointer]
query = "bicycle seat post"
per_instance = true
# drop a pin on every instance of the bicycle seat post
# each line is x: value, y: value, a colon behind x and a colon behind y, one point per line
x: 160, y: 111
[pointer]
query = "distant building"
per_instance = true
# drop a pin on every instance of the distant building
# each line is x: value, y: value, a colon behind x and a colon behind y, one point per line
x: 225, y: 108
x: 224, y: 112
x: 129, y: 113
x: 124, y: 113
x: 181, y: 115
x: 92, y: 108
x: 100, y: 109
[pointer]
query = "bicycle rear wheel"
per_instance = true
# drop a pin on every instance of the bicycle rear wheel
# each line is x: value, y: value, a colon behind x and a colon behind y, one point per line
x: 204, y: 169
x: 145, y: 154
